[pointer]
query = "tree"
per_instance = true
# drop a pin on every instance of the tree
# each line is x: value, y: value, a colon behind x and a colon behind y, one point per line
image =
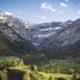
x: 50, y: 78
x: 71, y: 70
x: 34, y: 67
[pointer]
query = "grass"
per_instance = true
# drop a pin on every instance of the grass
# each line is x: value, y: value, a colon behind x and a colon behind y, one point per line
x: 36, y: 74
x: 58, y: 75
x: 46, y: 75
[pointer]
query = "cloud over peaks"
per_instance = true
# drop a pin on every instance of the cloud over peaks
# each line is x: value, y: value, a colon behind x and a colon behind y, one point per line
x: 67, y: 0
x: 8, y: 13
x: 63, y: 4
x: 47, y: 6
x: 78, y: 11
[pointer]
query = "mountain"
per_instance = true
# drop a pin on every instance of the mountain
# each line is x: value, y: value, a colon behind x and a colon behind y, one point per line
x: 64, y: 42
x: 12, y: 41
x: 57, y: 39
x: 54, y: 47
x: 40, y: 33
x: 51, y: 40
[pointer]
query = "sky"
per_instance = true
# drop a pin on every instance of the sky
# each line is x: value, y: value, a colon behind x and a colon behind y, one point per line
x: 42, y: 11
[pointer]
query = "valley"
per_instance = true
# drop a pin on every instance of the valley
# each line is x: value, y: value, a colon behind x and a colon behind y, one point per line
x: 47, y: 51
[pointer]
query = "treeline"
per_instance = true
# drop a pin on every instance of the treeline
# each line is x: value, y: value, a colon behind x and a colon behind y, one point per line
x: 61, y: 66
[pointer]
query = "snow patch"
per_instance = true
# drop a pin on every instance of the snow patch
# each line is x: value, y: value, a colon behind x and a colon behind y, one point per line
x: 46, y: 29
x: 1, y: 17
x: 57, y: 28
x: 49, y: 29
x: 45, y: 35
x: 35, y: 44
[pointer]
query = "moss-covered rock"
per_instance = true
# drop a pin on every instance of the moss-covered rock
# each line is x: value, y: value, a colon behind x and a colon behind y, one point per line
x: 16, y: 74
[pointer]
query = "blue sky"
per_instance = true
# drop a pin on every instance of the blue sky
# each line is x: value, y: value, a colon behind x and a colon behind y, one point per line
x: 41, y: 11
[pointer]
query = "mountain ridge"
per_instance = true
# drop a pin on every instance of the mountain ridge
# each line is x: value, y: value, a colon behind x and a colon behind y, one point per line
x: 12, y: 43
x: 49, y: 39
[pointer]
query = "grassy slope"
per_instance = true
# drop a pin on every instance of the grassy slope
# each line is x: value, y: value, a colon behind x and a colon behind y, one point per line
x: 37, y: 75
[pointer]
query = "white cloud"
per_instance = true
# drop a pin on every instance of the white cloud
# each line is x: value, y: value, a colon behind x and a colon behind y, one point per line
x: 67, y: 0
x: 78, y: 11
x: 41, y: 17
x: 63, y: 4
x: 47, y: 6
x: 8, y: 13
x: 36, y: 16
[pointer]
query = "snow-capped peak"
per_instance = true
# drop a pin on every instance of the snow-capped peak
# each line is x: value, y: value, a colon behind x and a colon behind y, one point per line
x: 8, y: 13
x: 5, y: 13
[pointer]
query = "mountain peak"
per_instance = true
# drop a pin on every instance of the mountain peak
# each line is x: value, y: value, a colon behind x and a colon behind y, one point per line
x: 5, y: 13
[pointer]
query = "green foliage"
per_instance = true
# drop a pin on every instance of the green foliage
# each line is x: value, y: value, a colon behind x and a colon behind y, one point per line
x: 15, y: 69
x: 10, y: 61
x: 60, y: 66
x: 3, y: 75
x: 34, y: 67
x: 37, y: 76
x: 50, y: 78
x: 26, y: 76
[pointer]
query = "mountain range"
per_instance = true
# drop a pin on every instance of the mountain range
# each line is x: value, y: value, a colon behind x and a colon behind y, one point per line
x: 52, y: 40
